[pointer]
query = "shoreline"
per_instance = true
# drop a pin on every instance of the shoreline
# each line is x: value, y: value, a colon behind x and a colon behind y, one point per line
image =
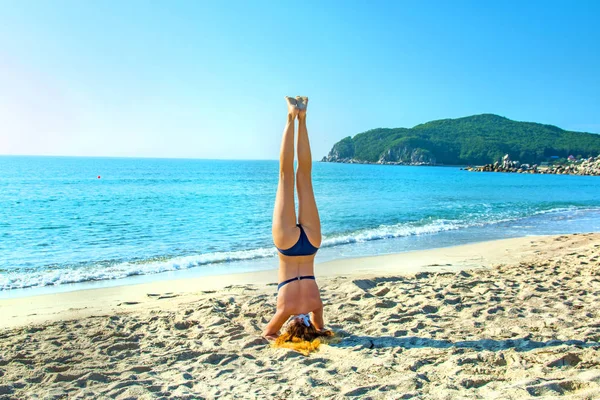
x: 45, y: 308
x: 588, y: 220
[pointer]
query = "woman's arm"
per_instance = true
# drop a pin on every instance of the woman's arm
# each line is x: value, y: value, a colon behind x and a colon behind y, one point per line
x: 272, y: 329
x: 317, y: 318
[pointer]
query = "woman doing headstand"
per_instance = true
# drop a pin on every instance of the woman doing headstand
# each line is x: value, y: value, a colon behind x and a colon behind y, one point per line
x: 297, y: 241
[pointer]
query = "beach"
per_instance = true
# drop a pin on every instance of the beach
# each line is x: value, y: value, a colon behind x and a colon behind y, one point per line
x: 511, y: 319
x: 177, y: 223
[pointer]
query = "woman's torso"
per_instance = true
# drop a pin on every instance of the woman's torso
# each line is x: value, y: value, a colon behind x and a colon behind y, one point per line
x: 298, y: 296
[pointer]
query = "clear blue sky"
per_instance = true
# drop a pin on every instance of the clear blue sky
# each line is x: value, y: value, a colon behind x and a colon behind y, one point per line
x: 206, y: 79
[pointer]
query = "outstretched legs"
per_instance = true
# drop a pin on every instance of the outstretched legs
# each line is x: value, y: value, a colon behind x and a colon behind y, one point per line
x: 308, y: 214
x: 285, y: 232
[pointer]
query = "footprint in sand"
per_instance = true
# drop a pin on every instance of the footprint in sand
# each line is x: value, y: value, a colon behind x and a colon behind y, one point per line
x: 168, y: 296
x: 183, y: 325
x: 128, y: 303
x: 158, y: 296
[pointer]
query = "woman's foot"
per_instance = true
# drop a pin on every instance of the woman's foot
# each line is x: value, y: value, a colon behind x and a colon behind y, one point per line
x: 301, y: 104
x: 292, y: 106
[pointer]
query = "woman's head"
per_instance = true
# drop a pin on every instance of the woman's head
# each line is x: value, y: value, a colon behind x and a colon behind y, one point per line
x: 301, y: 335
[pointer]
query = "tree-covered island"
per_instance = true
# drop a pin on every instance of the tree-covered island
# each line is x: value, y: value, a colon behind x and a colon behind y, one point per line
x: 474, y: 140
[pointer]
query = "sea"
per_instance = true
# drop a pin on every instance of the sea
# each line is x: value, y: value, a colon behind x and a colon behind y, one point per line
x: 69, y: 223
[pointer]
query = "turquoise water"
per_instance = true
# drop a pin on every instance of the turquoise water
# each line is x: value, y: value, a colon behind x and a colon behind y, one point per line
x: 60, y: 224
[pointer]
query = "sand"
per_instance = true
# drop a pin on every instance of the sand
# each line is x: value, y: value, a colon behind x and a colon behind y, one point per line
x: 508, y: 319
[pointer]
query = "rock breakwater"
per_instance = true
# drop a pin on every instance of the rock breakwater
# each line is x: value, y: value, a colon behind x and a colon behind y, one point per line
x: 589, y: 166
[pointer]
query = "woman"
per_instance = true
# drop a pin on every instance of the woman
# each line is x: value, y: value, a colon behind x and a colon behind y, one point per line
x: 298, y: 295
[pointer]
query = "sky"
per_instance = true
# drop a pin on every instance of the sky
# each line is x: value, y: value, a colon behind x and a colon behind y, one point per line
x: 207, y: 79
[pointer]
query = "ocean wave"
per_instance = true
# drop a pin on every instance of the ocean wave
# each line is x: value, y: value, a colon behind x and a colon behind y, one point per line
x: 58, y: 276
x: 432, y: 226
x: 392, y: 231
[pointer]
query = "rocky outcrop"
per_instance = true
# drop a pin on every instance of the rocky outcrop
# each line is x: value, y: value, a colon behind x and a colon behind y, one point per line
x: 405, y: 155
x: 401, y: 155
x: 344, y: 160
x: 341, y: 151
x: 589, y: 166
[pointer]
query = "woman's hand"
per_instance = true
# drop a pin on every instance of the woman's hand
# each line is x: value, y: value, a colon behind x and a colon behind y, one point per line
x: 270, y: 336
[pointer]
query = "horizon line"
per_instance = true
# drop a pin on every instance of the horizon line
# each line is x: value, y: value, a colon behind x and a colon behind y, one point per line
x: 139, y: 157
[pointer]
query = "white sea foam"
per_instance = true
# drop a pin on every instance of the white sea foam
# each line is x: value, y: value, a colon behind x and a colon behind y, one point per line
x: 61, y: 276
x: 392, y: 231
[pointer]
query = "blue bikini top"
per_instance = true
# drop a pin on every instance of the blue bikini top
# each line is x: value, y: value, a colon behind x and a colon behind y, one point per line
x: 303, y: 247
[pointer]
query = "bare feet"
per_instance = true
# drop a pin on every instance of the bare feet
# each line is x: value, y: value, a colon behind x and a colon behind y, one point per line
x: 292, y: 107
x: 301, y: 104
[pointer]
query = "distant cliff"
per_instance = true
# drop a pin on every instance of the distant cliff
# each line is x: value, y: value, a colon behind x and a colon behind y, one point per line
x: 474, y: 140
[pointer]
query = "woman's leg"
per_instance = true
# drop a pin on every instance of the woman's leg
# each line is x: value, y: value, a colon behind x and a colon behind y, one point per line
x: 308, y: 215
x: 285, y: 231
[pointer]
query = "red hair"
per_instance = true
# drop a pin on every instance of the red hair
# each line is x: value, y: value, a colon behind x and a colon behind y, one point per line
x: 300, y: 337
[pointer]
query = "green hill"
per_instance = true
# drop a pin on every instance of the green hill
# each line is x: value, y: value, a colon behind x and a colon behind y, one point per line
x: 478, y: 139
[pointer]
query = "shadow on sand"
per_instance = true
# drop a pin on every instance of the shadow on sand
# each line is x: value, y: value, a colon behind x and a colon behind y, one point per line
x: 412, y: 342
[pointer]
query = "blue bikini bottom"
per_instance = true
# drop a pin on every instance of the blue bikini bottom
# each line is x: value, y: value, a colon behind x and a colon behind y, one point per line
x: 299, y: 278
x: 303, y: 247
